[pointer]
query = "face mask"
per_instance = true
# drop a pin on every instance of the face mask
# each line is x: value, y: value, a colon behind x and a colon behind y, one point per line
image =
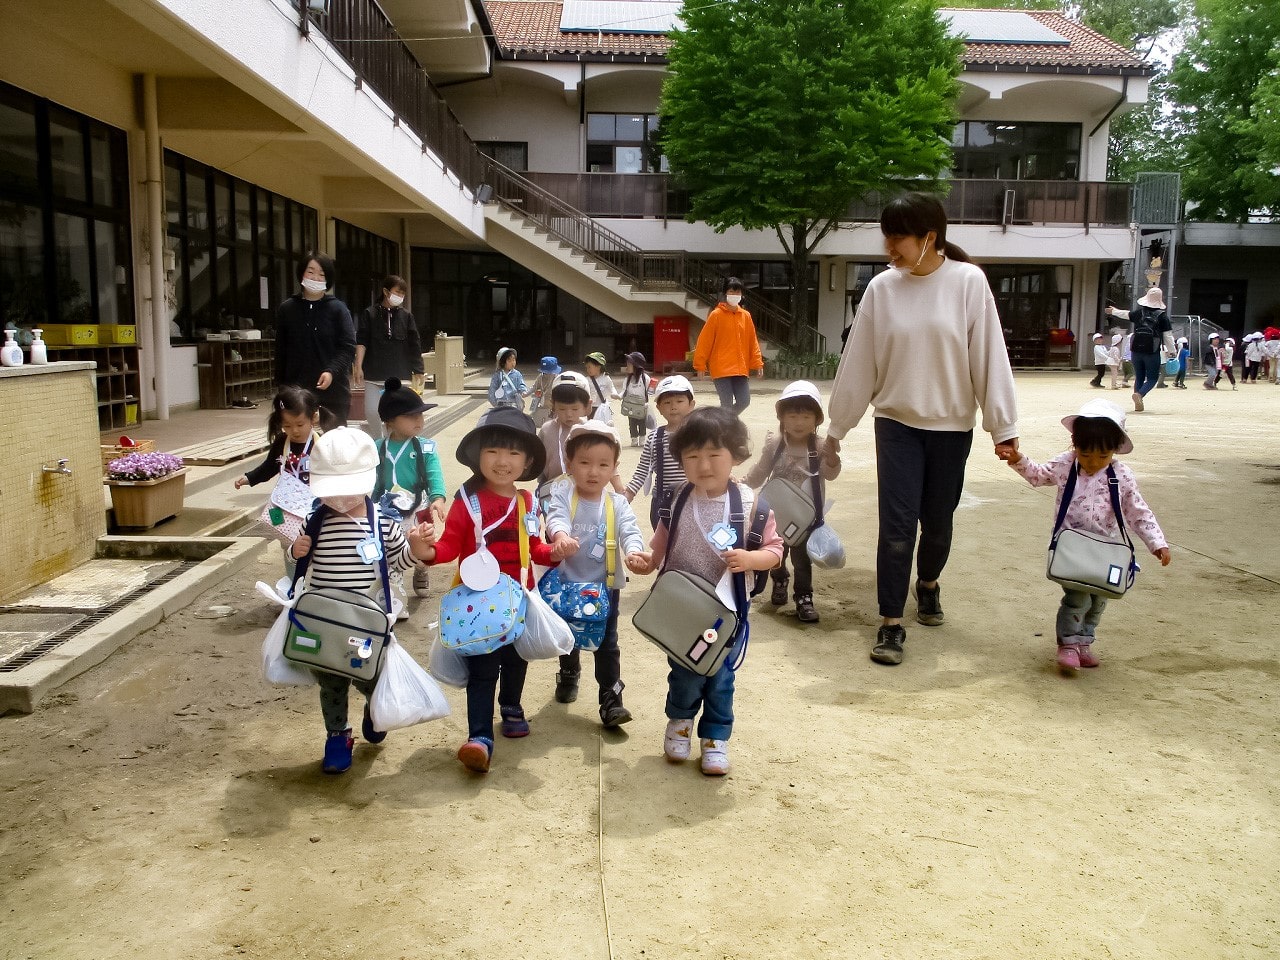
x: 314, y: 286
x: 395, y: 299
x: 342, y: 504
x: 733, y: 299
x: 919, y: 260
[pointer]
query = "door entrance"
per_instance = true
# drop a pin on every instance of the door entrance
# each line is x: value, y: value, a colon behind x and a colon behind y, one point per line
x: 1221, y: 302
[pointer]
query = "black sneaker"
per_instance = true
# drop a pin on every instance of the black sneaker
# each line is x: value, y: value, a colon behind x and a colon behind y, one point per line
x: 888, y: 648
x: 612, y: 712
x: 928, y: 604
x: 805, y: 612
x: 567, y: 686
x: 779, y: 595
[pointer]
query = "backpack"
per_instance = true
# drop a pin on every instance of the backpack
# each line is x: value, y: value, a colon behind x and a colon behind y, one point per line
x: 420, y: 451
x: 1145, y: 329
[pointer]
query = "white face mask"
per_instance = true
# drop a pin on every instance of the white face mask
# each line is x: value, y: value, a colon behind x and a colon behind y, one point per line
x: 395, y: 299
x: 342, y: 504
x: 733, y: 299
x: 314, y: 286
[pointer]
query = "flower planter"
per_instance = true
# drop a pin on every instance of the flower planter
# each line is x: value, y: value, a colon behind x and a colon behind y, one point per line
x: 141, y: 504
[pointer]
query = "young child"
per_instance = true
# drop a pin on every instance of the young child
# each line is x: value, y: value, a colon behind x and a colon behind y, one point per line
x: 501, y: 451
x: 506, y: 386
x: 1097, y: 435
x: 1100, y: 360
x: 548, y: 370
x: 409, y: 472
x: 788, y: 454
x: 1184, y: 356
x: 570, y: 405
x: 1252, y: 357
x: 674, y: 400
x: 576, y: 528
x: 1212, y: 358
x: 601, y: 387
x: 1228, y: 356
x: 1113, y: 361
x: 709, y: 444
x: 636, y: 387
x: 344, y: 467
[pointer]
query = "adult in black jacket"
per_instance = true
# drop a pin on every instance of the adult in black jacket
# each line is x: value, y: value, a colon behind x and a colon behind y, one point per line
x: 316, y: 339
x: 1151, y: 328
x: 387, y: 345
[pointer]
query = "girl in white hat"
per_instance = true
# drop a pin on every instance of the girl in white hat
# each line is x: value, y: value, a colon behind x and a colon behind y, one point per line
x: 1114, y: 361
x: 1100, y: 359
x: 1097, y: 435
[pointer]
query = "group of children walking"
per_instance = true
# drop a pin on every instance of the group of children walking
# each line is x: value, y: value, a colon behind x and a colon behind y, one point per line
x: 386, y: 504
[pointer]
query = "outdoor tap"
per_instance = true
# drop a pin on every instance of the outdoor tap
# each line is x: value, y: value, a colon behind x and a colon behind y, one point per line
x: 63, y: 467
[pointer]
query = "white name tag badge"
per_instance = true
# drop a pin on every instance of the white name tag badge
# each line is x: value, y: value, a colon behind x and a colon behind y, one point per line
x: 370, y: 550
x: 428, y: 446
x: 480, y: 570
x: 531, y: 524
x: 597, y: 551
x: 722, y: 536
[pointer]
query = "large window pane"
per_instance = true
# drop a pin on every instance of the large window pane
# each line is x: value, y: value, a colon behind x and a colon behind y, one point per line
x: 200, y: 289
x: 172, y: 191
x: 600, y: 126
x: 102, y: 171
x: 72, y: 256
x: 66, y: 155
x: 197, y: 200
x: 225, y: 294
x: 222, y: 206
x: 630, y: 129
x: 17, y: 149
x: 22, y: 298
x: 279, y: 235
x: 111, y: 243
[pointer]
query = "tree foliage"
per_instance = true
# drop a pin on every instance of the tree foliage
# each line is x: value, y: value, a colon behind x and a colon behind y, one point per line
x: 780, y: 113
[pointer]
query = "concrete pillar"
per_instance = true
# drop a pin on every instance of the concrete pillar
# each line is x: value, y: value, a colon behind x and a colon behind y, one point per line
x: 159, y: 332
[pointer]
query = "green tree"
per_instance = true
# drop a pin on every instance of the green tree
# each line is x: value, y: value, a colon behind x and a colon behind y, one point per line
x: 1261, y: 132
x: 781, y: 113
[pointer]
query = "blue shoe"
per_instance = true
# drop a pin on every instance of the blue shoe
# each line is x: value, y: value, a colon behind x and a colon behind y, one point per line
x: 337, y: 752
x: 513, y: 722
x: 367, y: 731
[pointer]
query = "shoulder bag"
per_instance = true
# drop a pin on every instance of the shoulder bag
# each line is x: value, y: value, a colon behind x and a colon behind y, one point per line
x: 1089, y: 562
x: 796, y: 510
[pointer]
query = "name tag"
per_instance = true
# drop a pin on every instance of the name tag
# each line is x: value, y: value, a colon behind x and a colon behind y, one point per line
x: 370, y: 550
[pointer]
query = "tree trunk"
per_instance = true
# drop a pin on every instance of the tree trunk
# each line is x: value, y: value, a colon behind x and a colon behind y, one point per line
x: 799, y: 276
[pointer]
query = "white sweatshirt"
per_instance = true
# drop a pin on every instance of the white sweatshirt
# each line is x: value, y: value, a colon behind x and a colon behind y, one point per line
x: 927, y: 352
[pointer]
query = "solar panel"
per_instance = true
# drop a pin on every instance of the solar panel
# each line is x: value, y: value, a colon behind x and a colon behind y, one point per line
x: 999, y: 26
x: 619, y: 16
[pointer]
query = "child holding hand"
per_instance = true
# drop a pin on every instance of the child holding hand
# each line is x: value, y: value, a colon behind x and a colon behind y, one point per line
x: 674, y: 400
x: 1097, y: 435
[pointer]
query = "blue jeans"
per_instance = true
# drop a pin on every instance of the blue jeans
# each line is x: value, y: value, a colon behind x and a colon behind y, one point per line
x: 1146, y: 371
x: 1078, y: 616
x: 687, y: 691
x: 734, y: 393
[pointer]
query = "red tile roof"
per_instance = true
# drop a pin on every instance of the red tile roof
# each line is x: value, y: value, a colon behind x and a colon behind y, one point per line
x: 533, y: 27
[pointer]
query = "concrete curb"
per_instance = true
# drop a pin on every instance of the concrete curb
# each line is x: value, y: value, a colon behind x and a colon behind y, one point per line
x: 23, y: 689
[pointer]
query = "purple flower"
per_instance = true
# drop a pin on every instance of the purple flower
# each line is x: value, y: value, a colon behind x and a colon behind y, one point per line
x: 144, y: 466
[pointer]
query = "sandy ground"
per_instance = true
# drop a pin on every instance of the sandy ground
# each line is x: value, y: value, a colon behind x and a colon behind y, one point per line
x: 969, y: 803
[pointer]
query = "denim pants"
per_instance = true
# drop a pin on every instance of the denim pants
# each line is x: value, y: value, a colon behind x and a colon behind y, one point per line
x: 484, y: 672
x: 608, y: 657
x: 799, y: 555
x: 1078, y: 616
x: 734, y: 392
x: 920, y: 474
x: 333, y: 698
x: 1146, y: 370
x: 687, y: 691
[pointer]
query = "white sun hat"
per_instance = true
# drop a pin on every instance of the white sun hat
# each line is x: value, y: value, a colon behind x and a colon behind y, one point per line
x: 343, y: 463
x: 1103, y: 410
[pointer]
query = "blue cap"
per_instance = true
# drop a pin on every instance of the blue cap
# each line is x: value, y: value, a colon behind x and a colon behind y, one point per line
x: 549, y: 365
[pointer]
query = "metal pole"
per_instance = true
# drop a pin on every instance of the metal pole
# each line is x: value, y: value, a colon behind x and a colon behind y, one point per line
x: 155, y: 238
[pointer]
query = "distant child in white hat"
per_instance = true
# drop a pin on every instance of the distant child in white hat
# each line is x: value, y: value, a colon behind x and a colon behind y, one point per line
x: 1252, y: 357
x: 674, y: 399
x: 1212, y: 357
x: 1100, y: 359
x: 795, y: 453
x: 1114, y: 361
x: 1097, y: 435
x: 1184, y: 357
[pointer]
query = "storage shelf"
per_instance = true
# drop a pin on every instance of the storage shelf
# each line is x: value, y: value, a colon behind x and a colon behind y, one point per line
x: 118, y: 389
x: 223, y: 379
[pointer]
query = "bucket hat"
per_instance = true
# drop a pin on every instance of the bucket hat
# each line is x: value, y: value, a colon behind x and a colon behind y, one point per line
x: 801, y: 390
x: 523, y: 433
x: 344, y: 463
x: 1103, y: 410
x: 1153, y: 298
x: 549, y: 365
x: 599, y: 358
x: 676, y: 383
x: 397, y: 400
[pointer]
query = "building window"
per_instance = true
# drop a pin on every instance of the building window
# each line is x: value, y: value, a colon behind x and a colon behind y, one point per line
x: 512, y: 154
x: 363, y: 260
x: 997, y: 150
x: 1032, y: 299
x: 624, y: 143
x: 64, y: 216
x: 770, y: 279
x: 232, y: 250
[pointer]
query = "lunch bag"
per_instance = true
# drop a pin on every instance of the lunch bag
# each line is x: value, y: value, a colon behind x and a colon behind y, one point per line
x: 585, y: 606
x: 1090, y: 562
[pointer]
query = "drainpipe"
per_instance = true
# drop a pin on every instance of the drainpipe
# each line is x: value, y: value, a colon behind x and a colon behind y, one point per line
x: 1124, y: 95
x: 155, y: 240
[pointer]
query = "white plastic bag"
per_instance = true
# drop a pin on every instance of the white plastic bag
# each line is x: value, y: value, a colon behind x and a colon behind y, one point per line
x: 545, y: 635
x: 825, y: 548
x: 405, y: 694
x: 447, y: 666
x: 275, y: 668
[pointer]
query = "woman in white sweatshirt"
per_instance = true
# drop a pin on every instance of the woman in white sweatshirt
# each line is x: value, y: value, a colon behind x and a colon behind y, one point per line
x: 927, y: 350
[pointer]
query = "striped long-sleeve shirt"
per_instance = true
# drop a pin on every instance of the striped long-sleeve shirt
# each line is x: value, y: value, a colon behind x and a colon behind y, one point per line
x: 335, y: 560
x: 672, y: 473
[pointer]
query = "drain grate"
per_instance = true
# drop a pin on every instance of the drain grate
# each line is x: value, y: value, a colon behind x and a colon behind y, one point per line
x: 30, y: 656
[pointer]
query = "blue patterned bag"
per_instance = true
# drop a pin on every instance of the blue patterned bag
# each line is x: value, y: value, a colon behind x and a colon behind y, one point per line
x: 480, y: 621
x: 584, y: 606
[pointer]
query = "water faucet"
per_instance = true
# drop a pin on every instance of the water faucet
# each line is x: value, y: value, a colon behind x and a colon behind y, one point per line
x: 63, y: 467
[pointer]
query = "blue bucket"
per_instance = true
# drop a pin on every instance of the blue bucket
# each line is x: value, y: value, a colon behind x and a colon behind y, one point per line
x: 1171, y: 366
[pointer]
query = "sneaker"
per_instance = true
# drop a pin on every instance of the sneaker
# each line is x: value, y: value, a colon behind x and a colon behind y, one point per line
x: 1137, y: 402
x: 475, y: 754
x: 421, y: 581
x: 888, y: 648
x: 514, y: 724
x: 1086, y: 654
x: 1068, y: 656
x: 612, y: 712
x: 337, y: 752
x: 715, y: 757
x: 928, y: 604
x: 804, y: 609
x: 367, y: 730
x: 567, y: 685
x: 779, y: 595
x: 677, y: 742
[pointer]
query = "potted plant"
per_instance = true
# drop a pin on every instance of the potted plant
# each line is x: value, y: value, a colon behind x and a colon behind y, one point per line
x: 146, y: 488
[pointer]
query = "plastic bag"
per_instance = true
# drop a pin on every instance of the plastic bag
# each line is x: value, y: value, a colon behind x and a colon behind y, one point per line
x: 825, y: 549
x: 275, y: 668
x: 545, y: 635
x: 405, y: 694
x: 447, y: 666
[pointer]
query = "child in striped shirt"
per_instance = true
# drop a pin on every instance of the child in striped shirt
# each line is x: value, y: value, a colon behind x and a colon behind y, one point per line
x: 674, y: 400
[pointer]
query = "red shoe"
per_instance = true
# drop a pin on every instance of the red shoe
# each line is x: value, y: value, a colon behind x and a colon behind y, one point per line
x: 1087, y: 658
x: 475, y: 754
x: 1069, y: 656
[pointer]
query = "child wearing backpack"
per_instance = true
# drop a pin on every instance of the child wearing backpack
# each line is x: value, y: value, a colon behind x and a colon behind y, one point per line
x: 698, y: 540
x: 591, y: 529
x: 635, y: 397
x: 409, y: 473
x: 602, y: 388
x: 501, y: 451
x: 540, y: 409
x: 343, y: 550
x: 507, y: 387
x: 793, y: 454
x: 674, y: 400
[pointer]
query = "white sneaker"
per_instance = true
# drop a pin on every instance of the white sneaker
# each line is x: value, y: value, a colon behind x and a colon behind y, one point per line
x: 715, y: 757
x: 677, y: 743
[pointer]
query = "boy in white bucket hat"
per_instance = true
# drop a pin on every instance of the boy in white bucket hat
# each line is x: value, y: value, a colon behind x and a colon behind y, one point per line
x: 1088, y: 470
